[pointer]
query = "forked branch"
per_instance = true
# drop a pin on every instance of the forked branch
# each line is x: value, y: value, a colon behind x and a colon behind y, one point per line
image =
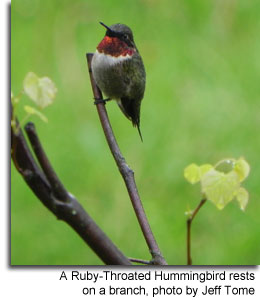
x: 48, y: 188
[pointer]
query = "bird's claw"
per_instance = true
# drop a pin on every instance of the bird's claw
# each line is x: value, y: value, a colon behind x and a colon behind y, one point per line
x: 98, y: 100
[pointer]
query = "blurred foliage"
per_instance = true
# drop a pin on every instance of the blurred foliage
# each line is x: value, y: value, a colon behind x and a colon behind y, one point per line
x: 221, y: 183
x: 201, y: 104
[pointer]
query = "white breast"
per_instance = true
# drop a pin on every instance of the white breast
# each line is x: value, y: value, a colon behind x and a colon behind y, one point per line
x: 106, y: 60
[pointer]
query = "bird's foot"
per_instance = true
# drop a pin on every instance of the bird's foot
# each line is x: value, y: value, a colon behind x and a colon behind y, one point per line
x: 98, y: 101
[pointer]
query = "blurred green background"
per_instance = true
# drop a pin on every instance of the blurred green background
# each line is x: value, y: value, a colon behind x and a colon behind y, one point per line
x: 201, y: 105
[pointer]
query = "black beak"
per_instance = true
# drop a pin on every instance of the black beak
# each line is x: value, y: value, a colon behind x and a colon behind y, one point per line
x: 108, y: 29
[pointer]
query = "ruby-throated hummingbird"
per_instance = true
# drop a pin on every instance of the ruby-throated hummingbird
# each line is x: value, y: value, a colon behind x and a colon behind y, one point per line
x: 119, y: 72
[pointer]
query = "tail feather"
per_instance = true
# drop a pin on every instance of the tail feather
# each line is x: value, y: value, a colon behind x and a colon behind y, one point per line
x: 131, y: 109
x: 139, y: 131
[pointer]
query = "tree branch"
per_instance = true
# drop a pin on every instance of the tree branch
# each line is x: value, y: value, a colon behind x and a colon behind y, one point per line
x: 58, y: 188
x: 140, y: 261
x: 189, y: 221
x: 47, y: 187
x: 126, y: 172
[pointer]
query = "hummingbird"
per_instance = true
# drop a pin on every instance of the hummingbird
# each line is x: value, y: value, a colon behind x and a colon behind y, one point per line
x: 118, y: 71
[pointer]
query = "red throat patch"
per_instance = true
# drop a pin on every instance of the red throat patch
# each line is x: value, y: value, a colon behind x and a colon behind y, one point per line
x: 114, y: 47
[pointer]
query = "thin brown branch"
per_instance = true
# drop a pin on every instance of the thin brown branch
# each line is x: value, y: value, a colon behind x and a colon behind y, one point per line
x: 67, y: 209
x: 28, y: 168
x: 140, y: 261
x: 189, y: 221
x: 126, y: 172
x: 58, y: 188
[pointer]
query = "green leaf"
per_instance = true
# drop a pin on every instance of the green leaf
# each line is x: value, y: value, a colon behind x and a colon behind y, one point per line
x: 242, y: 168
x: 30, y: 85
x: 41, y: 90
x: 220, y: 188
x: 32, y: 111
x: 205, y: 168
x: 193, y: 172
x: 221, y: 184
x: 242, y: 198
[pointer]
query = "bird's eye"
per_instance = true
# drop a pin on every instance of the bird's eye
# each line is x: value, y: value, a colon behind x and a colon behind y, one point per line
x: 125, y: 36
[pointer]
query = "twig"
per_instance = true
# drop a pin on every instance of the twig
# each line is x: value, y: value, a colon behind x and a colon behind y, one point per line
x: 140, y: 261
x: 126, y: 172
x: 189, y: 221
x: 68, y: 208
x: 58, y: 188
